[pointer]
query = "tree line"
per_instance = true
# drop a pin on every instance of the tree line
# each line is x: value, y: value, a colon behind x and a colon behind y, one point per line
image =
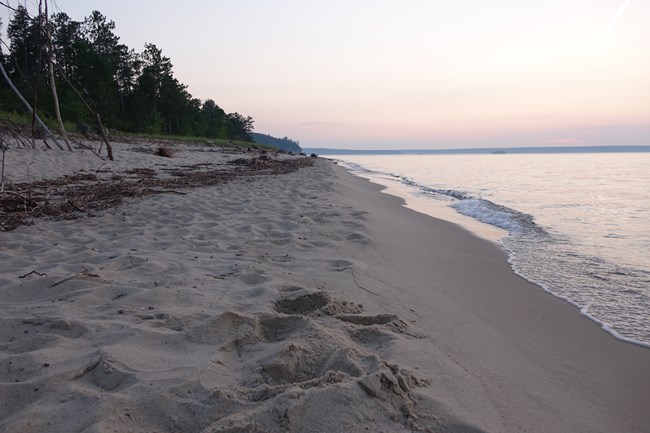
x: 134, y: 92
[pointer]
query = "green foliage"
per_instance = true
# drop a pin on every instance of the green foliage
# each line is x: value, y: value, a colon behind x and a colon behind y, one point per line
x: 239, y: 127
x: 133, y: 92
x: 19, y: 119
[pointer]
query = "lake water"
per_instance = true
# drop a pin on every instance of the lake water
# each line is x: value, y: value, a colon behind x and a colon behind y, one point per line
x: 577, y: 225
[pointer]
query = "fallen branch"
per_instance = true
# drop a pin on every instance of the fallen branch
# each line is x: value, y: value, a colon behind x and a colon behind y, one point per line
x: 84, y: 273
x: 75, y: 206
x: 162, y: 191
x: 29, y: 107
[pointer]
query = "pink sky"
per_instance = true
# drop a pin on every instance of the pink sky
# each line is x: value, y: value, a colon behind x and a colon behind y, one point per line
x: 416, y: 74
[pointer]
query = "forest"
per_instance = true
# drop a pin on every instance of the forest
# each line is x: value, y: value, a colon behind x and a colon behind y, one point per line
x: 133, y: 91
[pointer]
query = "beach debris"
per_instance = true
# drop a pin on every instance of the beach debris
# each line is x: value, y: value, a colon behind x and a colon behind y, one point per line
x: 43, y: 274
x: 69, y: 197
x: 83, y: 274
x: 165, y: 151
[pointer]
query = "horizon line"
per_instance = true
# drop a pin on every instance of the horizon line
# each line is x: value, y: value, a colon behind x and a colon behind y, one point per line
x: 548, y: 149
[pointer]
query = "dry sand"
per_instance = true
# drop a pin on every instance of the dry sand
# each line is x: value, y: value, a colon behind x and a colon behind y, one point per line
x: 304, y: 302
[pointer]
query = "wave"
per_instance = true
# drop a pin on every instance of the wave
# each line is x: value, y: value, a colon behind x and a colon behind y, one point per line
x: 353, y: 167
x: 459, y: 195
x: 614, y: 296
x: 485, y: 211
x: 481, y: 209
x: 585, y: 307
x: 528, y: 244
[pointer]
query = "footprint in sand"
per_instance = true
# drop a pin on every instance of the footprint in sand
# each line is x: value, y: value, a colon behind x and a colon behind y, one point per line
x: 111, y: 376
x: 303, y: 304
x: 340, y: 265
x: 254, y: 279
x: 282, y: 259
x: 357, y: 237
x: 102, y: 372
x: 389, y: 321
x: 279, y: 328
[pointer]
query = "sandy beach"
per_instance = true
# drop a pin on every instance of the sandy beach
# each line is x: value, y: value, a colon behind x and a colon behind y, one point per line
x: 307, y: 301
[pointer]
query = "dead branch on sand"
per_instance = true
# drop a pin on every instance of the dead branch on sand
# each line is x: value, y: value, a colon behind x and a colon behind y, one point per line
x: 71, y: 197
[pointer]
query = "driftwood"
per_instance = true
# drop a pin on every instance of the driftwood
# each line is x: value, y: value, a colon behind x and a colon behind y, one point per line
x: 2, y: 168
x: 29, y: 107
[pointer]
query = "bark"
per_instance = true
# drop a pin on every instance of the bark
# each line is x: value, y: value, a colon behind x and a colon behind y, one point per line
x: 100, y: 126
x: 55, y: 96
x: 56, y: 106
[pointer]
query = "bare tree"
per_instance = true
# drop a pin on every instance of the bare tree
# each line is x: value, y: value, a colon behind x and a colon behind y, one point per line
x: 29, y: 107
x: 51, y: 62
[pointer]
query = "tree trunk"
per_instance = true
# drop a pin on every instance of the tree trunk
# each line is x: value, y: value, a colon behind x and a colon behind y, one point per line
x: 29, y: 107
x: 98, y: 119
x: 100, y: 126
x: 56, y: 107
x: 55, y: 97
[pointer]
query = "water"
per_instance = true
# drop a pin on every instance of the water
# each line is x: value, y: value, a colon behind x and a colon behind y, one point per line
x: 577, y: 225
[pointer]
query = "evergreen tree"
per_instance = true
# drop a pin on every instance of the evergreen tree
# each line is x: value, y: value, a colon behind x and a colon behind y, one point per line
x: 99, y: 54
x: 132, y: 91
x: 216, y: 120
x: 26, y: 60
x: 239, y: 127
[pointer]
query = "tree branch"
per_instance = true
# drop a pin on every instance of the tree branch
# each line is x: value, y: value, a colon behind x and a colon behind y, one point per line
x: 29, y: 107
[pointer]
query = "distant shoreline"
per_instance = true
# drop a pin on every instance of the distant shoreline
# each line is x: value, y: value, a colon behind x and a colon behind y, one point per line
x: 481, y: 151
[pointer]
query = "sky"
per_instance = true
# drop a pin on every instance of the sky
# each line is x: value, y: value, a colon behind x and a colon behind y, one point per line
x: 414, y: 74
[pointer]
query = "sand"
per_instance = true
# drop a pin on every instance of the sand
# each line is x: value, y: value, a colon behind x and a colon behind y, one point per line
x: 302, y: 302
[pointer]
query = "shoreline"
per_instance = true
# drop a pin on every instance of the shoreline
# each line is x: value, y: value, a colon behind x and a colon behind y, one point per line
x: 308, y: 301
x: 435, y: 210
x: 557, y: 327
x: 440, y: 210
